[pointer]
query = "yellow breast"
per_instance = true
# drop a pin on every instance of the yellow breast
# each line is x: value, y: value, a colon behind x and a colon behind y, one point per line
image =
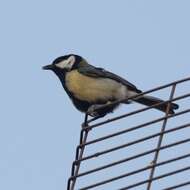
x: 91, y: 89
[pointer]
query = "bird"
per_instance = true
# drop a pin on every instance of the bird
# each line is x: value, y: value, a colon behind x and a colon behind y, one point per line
x: 93, y: 89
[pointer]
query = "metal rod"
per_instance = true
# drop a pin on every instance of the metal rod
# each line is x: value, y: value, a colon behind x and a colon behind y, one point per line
x: 153, y: 150
x: 103, y: 152
x: 134, y: 128
x: 161, y: 138
x: 71, y: 182
x: 133, y: 142
x: 158, y: 177
x: 135, y: 172
x: 177, y: 186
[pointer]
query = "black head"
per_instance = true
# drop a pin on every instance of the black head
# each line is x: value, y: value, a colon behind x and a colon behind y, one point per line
x: 64, y: 63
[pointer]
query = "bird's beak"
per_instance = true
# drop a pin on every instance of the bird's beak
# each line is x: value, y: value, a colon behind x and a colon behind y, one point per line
x: 48, y: 67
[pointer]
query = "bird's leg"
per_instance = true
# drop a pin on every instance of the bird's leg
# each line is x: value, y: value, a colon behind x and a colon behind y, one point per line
x: 93, y: 110
x: 93, y: 113
x: 85, y: 125
x: 86, y: 119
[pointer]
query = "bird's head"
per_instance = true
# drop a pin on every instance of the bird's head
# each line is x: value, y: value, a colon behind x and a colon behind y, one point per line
x: 64, y: 63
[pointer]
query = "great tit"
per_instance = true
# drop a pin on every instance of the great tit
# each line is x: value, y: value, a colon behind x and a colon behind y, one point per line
x: 92, y: 87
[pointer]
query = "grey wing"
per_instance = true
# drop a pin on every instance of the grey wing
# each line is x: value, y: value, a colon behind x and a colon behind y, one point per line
x: 100, y: 72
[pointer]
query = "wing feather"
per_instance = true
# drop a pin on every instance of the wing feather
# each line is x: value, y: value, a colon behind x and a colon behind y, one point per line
x: 97, y: 72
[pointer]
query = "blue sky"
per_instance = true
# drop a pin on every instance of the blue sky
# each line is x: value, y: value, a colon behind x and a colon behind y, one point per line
x: 145, y: 41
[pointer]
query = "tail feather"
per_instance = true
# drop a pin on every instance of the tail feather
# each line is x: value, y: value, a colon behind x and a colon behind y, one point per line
x: 150, y: 101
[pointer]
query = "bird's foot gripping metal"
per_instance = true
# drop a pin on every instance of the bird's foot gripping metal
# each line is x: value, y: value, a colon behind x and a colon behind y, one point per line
x: 95, y: 112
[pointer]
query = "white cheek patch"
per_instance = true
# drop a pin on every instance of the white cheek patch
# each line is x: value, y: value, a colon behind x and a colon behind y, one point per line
x: 71, y: 61
x: 67, y: 64
x: 62, y: 64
